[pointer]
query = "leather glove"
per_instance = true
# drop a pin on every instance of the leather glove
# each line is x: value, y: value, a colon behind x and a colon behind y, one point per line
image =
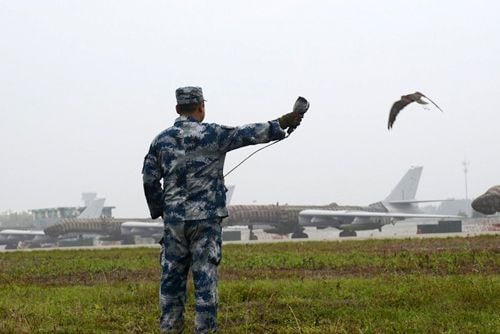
x: 292, y: 120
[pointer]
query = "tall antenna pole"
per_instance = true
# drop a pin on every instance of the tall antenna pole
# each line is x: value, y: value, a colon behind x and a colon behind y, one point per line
x: 465, y: 163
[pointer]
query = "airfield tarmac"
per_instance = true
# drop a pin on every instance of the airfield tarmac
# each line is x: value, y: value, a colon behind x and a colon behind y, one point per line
x: 400, y: 230
x: 406, y: 229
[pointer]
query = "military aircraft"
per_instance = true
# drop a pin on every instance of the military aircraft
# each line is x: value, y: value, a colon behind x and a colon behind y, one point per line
x: 152, y: 229
x: 399, y: 205
x: 11, y: 237
x: 123, y: 230
x: 38, y: 238
x: 278, y: 219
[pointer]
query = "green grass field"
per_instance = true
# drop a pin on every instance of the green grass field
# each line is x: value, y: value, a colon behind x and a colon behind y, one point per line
x: 374, y: 286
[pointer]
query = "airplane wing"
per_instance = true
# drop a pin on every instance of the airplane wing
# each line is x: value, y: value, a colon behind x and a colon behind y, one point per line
x: 11, y: 238
x: 13, y: 232
x: 141, y: 228
x: 312, y: 213
x: 419, y: 201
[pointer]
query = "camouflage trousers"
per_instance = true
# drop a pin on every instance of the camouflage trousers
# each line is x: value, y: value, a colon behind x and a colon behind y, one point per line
x: 194, y: 244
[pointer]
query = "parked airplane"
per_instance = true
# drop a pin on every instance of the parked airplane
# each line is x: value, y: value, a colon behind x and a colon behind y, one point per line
x: 37, y: 238
x: 399, y: 205
x: 131, y: 229
x: 291, y: 219
x: 124, y: 230
x: 11, y: 237
x: 279, y: 219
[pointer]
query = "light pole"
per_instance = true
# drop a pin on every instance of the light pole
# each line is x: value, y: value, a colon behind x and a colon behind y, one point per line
x: 465, y: 163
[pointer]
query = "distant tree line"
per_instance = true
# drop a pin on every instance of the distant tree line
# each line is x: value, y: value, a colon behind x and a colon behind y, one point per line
x: 10, y: 219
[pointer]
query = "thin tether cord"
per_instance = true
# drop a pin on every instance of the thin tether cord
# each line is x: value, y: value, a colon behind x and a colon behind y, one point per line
x: 248, y: 157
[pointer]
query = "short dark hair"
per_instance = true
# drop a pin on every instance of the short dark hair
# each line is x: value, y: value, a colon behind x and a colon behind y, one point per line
x: 188, y: 108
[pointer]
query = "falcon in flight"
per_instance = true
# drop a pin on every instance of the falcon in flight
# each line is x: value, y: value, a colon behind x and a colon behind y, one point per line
x: 403, y: 102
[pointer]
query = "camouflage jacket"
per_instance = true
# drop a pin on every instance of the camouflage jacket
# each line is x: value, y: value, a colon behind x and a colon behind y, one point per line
x: 189, y: 157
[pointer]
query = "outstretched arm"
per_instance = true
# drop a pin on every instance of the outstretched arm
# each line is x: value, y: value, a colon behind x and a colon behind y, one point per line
x: 231, y: 138
x: 258, y: 133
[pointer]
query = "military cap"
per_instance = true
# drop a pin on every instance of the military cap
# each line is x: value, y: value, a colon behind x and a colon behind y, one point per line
x: 188, y: 95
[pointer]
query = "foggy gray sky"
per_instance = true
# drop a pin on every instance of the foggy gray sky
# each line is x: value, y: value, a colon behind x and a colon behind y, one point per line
x: 86, y: 85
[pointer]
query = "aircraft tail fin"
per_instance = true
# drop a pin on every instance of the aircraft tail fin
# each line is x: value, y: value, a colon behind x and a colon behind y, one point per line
x: 229, y: 194
x: 406, y: 189
x: 93, y: 210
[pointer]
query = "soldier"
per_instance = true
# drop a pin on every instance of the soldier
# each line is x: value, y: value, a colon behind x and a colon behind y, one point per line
x: 189, y: 157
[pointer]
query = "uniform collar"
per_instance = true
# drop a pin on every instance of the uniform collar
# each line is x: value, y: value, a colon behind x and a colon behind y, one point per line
x: 183, y: 118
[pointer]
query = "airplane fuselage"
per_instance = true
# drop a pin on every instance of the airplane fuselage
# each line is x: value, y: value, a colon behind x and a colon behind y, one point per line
x: 281, y: 219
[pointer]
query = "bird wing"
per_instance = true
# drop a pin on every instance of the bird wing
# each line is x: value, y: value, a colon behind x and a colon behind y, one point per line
x: 395, y: 109
x: 431, y: 101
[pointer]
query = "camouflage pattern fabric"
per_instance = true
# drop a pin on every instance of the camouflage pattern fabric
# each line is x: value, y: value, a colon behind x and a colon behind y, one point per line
x: 190, y: 158
x: 489, y: 202
x: 197, y: 244
x: 188, y: 95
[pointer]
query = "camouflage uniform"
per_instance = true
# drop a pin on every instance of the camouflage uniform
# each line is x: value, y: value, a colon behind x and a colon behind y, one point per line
x: 189, y: 157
